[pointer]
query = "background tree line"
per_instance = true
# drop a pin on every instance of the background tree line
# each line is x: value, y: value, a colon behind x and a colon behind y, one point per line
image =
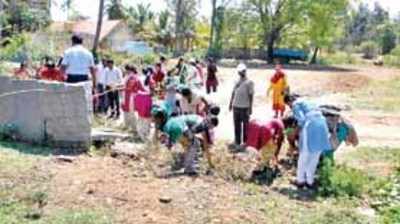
x: 309, y: 25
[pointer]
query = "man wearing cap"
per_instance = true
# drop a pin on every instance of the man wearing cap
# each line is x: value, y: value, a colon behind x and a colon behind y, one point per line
x: 78, y: 62
x: 241, y: 104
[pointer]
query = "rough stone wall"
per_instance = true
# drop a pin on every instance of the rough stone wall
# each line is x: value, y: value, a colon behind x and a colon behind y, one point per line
x: 53, y: 113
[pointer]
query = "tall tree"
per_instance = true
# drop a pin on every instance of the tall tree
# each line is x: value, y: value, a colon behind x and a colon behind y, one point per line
x: 2, y: 19
x: 115, y: 10
x: 276, y: 16
x: 67, y: 6
x: 163, y: 29
x: 217, y: 20
x: 185, y: 17
x: 323, y: 23
x: 98, y: 27
x: 140, y: 16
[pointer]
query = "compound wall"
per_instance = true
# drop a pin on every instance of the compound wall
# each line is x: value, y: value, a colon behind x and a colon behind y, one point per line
x: 53, y: 113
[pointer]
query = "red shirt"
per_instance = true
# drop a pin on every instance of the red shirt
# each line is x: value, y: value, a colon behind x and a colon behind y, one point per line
x: 52, y: 74
x: 133, y: 85
x: 158, y: 76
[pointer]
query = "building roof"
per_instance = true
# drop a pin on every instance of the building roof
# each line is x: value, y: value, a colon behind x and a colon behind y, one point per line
x: 85, y: 27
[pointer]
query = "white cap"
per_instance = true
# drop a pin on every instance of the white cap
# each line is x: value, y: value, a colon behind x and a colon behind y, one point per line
x: 241, y: 67
x: 192, y: 60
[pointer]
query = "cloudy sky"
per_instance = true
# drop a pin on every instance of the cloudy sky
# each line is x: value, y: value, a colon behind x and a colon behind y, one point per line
x: 89, y: 7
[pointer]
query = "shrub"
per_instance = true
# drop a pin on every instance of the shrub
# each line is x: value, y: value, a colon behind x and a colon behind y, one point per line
x: 8, y: 132
x: 390, y: 215
x: 369, y: 49
x: 338, y: 58
x: 341, y: 180
x: 20, y: 48
x: 393, y: 59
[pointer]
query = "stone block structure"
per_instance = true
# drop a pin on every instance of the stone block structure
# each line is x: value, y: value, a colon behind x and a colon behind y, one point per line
x: 53, y: 113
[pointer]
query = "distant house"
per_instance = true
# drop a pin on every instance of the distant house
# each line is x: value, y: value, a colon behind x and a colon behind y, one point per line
x: 114, y: 33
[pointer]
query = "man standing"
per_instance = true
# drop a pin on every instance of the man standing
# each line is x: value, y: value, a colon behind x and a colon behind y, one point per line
x: 78, y: 62
x: 113, y: 81
x: 241, y: 103
x: 101, y: 86
x: 212, y: 81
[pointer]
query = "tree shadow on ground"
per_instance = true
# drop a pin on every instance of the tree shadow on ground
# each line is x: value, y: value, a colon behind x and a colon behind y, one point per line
x: 296, y: 194
x: 38, y: 150
x: 26, y: 148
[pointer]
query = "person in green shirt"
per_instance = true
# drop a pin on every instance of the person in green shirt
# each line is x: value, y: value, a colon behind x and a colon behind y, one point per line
x: 191, y: 131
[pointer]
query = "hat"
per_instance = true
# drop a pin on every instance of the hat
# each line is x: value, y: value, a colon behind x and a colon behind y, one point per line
x: 241, y: 67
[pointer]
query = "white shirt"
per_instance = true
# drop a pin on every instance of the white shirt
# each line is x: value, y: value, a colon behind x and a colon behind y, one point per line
x: 78, y: 60
x: 113, y: 77
x: 100, y: 74
x: 193, y: 78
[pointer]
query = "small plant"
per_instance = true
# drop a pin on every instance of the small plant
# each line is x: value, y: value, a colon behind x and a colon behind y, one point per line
x: 8, y: 132
x: 390, y: 215
x: 341, y: 180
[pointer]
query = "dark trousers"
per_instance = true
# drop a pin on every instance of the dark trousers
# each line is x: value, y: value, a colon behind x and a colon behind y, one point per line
x: 102, y: 99
x: 113, y: 101
x: 211, y: 85
x: 72, y: 78
x: 241, y: 118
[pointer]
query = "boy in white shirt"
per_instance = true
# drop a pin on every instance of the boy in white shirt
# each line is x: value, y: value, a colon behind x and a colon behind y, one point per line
x: 113, y: 81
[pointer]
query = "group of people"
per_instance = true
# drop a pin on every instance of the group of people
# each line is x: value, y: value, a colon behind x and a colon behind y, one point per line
x: 173, y: 101
x: 312, y: 131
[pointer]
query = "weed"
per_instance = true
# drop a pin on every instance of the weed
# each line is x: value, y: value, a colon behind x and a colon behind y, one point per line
x: 390, y: 215
x: 341, y: 180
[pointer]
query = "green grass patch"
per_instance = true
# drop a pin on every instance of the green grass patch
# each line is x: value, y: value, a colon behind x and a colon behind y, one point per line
x: 374, y: 161
x: 25, y: 148
x: 20, y: 212
x: 79, y: 217
x: 338, y: 216
x: 390, y: 215
x: 379, y: 95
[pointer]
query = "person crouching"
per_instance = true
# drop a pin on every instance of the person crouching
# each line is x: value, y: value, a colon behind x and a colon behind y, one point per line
x: 188, y: 130
x: 314, y: 139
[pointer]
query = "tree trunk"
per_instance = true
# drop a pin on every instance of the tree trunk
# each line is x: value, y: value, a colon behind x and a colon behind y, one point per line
x: 212, y: 30
x: 314, y: 57
x: 271, y: 39
x: 98, y: 28
x: 1, y: 13
x: 179, y: 37
x: 270, y: 48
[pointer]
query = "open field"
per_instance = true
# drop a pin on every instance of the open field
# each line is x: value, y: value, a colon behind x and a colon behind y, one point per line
x: 36, y: 187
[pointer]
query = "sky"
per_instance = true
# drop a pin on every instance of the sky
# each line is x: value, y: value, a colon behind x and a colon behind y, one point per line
x: 89, y: 8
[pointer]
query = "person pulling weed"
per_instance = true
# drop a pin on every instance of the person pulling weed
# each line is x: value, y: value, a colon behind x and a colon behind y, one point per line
x: 191, y: 131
